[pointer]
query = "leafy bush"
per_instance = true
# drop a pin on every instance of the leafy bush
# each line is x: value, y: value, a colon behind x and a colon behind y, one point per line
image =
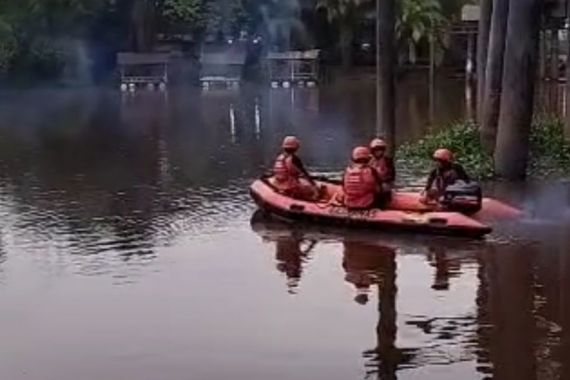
x: 461, y: 138
x: 47, y: 56
x: 8, y: 46
x: 549, y: 151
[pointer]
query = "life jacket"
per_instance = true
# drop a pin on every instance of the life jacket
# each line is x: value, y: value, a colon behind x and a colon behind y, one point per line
x: 381, y: 167
x: 359, y: 186
x: 285, y: 172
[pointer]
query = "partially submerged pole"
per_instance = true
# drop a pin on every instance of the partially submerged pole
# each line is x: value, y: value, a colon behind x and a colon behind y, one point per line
x: 517, y: 98
x: 385, y: 71
x: 567, y: 86
x: 485, y: 7
x: 494, y: 77
x: 431, y: 79
x: 470, y: 76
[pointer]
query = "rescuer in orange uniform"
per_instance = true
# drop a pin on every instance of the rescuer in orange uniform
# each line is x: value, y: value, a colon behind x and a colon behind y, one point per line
x: 384, y: 166
x: 446, y: 173
x: 289, y: 174
x: 361, y: 183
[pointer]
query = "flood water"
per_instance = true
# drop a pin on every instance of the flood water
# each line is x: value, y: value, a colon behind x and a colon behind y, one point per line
x: 129, y: 249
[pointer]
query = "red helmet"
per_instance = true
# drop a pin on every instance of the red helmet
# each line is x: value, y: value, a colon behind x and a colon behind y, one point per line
x: 378, y: 144
x: 360, y: 153
x: 443, y: 154
x: 291, y: 142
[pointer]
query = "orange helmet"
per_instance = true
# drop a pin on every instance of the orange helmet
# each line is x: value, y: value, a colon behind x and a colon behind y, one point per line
x: 291, y: 142
x: 443, y: 154
x: 378, y: 144
x: 360, y: 153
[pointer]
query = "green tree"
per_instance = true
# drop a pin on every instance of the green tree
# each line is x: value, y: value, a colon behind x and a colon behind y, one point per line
x: 8, y: 46
x: 345, y: 14
x: 186, y: 12
x: 32, y: 31
x: 210, y: 16
x: 420, y: 21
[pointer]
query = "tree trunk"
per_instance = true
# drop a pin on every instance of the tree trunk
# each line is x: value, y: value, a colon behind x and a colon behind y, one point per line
x: 494, y: 75
x: 542, y: 55
x: 142, y: 25
x: 553, y: 72
x: 385, y: 68
x: 511, y: 154
x: 470, y: 91
x: 565, y: 308
x: 567, y: 86
x: 482, y: 47
x: 345, y: 44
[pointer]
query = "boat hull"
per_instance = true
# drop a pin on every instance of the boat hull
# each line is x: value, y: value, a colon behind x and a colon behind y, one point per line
x: 390, y: 220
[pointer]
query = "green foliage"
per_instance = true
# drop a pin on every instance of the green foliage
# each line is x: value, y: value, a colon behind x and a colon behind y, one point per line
x: 226, y: 16
x: 197, y: 16
x: 46, y: 56
x: 8, y: 46
x: 31, y: 32
x: 341, y: 11
x: 549, y: 151
x: 461, y: 138
x: 184, y: 11
x: 421, y: 21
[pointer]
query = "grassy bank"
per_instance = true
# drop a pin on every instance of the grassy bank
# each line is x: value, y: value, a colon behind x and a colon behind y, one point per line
x: 549, y: 152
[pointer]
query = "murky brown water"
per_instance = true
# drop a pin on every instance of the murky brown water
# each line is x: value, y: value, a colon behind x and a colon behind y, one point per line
x: 128, y: 251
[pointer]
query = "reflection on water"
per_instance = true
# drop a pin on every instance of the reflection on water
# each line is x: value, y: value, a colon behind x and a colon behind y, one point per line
x: 509, y: 327
x: 126, y: 249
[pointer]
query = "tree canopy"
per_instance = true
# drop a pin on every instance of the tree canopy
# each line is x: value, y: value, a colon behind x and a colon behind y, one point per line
x: 34, y: 33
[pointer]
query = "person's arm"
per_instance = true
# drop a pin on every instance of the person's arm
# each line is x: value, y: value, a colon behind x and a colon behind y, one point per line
x: 431, y: 179
x: 299, y: 164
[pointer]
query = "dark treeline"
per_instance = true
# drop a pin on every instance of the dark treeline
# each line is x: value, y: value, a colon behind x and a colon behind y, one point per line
x: 45, y: 39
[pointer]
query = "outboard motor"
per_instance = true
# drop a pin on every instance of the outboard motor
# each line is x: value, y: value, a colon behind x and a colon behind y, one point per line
x: 466, y: 198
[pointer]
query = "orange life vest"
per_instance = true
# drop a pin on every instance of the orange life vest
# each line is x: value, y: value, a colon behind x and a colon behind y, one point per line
x: 359, y: 186
x: 381, y: 167
x: 285, y: 172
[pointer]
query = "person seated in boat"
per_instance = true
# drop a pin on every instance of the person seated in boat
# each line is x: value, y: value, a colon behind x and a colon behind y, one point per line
x: 446, y: 173
x: 384, y: 166
x: 361, y: 183
x: 290, y: 175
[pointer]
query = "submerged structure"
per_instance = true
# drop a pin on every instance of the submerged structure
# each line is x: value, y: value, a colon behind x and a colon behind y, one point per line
x: 222, y: 65
x: 148, y: 70
x: 290, y: 68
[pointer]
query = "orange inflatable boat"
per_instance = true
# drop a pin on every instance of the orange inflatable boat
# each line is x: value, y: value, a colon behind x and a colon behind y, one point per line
x: 404, y: 213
